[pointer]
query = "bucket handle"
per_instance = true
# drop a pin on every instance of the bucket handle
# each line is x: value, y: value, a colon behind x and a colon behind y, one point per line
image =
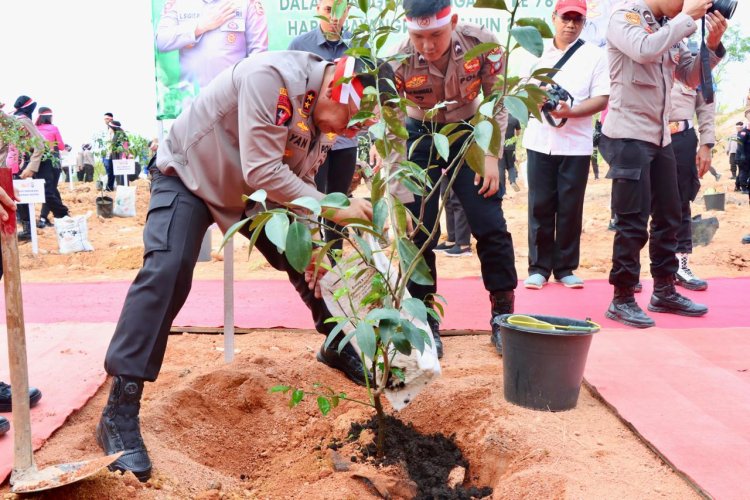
x: 531, y: 322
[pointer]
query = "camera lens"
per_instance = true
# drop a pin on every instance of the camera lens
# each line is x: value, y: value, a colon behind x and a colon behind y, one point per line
x: 726, y: 7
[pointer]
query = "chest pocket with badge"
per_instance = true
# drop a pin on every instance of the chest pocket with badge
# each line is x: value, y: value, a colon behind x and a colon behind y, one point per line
x: 235, y: 24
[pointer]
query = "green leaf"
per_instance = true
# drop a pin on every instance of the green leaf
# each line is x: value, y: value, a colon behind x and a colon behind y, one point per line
x: 232, y: 231
x: 309, y: 203
x: 335, y: 200
x: 276, y: 230
x: 441, y: 145
x: 364, y: 247
x: 363, y: 5
x: 517, y: 108
x: 415, y: 307
x: 402, y: 344
x: 475, y: 159
x: 336, y: 329
x: 487, y: 109
x: 380, y: 214
x: 480, y: 49
x: 483, y: 135
x: 456, y: 136
x: 280, y: 388
x: 297, y: 396
x: 538, y: 23
x: 529, y: 38
x: 335, y: 400
x: 398, y: 373
x: 259, y: 196
x: 366, y: 339
x: 324, y: 405
x: 491, y: 4
x: 414, y: 335
x: 394, y: 122
x: 383, y: 313
x: 407, y: 251
x: 298, y: 246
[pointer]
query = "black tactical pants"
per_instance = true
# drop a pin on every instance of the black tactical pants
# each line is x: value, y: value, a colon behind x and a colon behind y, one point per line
x: 335, y: 176
x: 685, y: 144
x: 743, y: 175
x: 53, y: 203
x: 485, y: 216
x: 644, y: 183
x: 733, y: 164
x: 557, y: 187
x: 176, y: 223
x: 455, y: 217
x: 507, y: 164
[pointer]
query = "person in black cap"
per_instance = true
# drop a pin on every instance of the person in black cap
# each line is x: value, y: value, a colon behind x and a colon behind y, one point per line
x: 29, y: 164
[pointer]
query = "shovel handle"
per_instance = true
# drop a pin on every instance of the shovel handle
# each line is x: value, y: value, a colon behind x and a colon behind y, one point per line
x: 19, y: 373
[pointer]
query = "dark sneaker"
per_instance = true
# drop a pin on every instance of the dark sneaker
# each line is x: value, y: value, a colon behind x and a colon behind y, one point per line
x: 500, y: 303
x: 442, y: 247
x: 4, y: 425
x: 746, y: 240
x: 665, y: 299
x: 458, y: 251
x: 42, y: 223
x: 624, y: 309
x: 496, y: 337
x: 348, y: 362
x: 119, y: 429
x: 6, y: 403
x: 435, y: 327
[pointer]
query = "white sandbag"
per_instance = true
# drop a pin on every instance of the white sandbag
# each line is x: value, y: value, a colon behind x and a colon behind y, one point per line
x: 124, y: 202
x: 73, y: 234
x: 419, y: 369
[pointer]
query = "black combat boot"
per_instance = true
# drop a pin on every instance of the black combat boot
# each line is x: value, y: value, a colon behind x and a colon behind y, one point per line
x: 25, y: 234
x: 502, y: 303
x: 665, y: 299
x: 435, y: 327
x: 625, y: 309
x: 119, y: 428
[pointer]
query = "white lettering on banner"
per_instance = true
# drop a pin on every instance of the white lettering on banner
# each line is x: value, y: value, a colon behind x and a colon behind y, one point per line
x: 29, y: 190
x: 123, y: 167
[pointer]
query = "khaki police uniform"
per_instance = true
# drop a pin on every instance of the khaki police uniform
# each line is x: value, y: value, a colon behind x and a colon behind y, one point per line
x: 688, y: 103
x: 644, y: 59
x: 250, y: 129
x: 462, y: 83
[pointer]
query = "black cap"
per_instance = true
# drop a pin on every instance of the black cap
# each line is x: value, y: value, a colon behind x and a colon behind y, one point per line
x: 115, y: 124
x: 23, y: 101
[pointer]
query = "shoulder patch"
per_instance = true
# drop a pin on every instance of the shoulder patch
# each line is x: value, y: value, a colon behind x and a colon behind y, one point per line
x: 283, y: 108
x: 308, y: 103
x: 472, y: 66
x: 633, y: 18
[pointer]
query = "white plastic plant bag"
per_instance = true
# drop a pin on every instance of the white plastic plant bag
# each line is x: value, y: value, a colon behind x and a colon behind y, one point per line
x: 73, y: 234
x: 124, y: 202
x: 419, y: 369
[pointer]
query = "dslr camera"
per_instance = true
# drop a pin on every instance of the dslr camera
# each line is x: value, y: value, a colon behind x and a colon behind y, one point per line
x: 725, y: 7
x: 555, y: 95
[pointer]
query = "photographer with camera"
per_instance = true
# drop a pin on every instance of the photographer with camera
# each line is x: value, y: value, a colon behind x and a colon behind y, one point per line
x: 645, y: 56
x: 559, y: 153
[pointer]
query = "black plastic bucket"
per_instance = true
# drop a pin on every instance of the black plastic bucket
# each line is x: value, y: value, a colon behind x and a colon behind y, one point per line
x: 715, y: 201
x: 104, y: 205
x: 543, y: 369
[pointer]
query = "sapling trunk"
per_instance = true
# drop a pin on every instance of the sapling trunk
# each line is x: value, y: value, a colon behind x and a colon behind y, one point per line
x: 380, y: 437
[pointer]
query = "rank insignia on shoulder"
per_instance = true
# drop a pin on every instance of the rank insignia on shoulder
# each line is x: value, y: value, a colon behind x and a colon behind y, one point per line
x: 416, y: 81
x: 472, y: 66
x: 308, y: 104
x: 648, y: 17
x: 633, y: 18
x: 283, y: 108
x: 458, y: 49
x: 303, y: 126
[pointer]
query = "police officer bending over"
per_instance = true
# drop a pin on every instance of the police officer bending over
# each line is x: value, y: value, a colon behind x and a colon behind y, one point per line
x: 434, y: 72
x: 645, y: 55
x: 266, y: 123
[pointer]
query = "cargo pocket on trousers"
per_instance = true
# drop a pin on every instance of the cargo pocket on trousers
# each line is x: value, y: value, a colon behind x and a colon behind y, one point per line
x: 626, y: 189
x: 161, y: 212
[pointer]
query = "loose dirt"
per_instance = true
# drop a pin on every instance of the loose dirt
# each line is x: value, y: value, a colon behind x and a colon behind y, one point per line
x: 214, y: 431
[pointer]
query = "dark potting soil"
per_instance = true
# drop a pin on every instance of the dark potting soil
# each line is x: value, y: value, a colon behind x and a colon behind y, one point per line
x: 429, y: 459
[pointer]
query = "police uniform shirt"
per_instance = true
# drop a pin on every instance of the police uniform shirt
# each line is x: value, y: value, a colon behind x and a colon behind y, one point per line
x: 251, y: 129
x: 462, y: 82
x: 688, y: 102
x: 644, y: 59
x: 584, y: 75
x: 330, y: 50
x: 204, y: 57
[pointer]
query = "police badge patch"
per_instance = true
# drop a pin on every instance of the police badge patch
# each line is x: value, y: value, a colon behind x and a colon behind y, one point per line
x: 472, y: 66
x: 633, y: 18
x: 283, y: 108
x: 308, y: 104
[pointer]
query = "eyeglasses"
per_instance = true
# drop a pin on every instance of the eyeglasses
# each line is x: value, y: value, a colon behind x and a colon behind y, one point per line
x: 566, y: 19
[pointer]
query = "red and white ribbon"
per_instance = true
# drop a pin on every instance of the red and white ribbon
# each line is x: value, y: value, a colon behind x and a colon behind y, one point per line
x: 442, y: 18
x: 28, y: 103
x: 46, y: 113
x: 353, y: 89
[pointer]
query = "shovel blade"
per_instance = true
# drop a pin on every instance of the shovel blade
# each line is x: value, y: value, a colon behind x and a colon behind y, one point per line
x: 34, y: 480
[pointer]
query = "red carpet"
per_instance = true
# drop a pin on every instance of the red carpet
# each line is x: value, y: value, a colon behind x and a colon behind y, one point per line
x: 273, y: 303
x: 66, y: 364
x: 687, y: 392
x: 684, y: 386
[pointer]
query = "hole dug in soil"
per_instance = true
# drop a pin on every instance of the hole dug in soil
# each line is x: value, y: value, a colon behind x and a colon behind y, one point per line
x: 429, y: 460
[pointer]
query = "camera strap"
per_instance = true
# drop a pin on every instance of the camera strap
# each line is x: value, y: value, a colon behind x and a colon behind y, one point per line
x: 558, y: 65
x: 707, y: 84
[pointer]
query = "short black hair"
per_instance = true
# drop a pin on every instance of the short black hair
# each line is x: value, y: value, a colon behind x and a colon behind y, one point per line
x: 424, y: 8
x: 109, y: 114
x: 740, y: 124
x: 363, y: 68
